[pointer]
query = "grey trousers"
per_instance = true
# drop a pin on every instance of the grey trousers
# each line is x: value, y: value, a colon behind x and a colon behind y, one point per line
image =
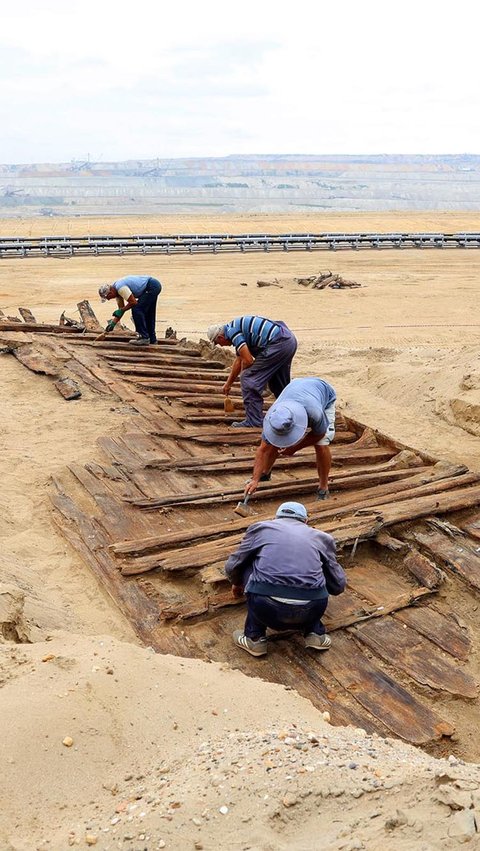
x: 271, y: 367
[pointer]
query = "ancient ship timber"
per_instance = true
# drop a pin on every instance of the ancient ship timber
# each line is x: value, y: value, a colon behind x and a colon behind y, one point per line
x: 68, y: 246
x: 154, y: 521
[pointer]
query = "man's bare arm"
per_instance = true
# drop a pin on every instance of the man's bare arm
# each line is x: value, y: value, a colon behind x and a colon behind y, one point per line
x: 265, y: 458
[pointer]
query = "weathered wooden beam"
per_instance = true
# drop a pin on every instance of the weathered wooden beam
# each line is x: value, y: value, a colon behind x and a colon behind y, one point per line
x: 383, y: 696
x: 89, y: 319
x: 423, y: 569
x: 346, y: 530
x: 215, y: 464
x: 38, y: 327
x: 338, y: 481
x: 167, y: 358
x: 443, y: 631
x: 35, y: 360
x: 403, y: 648
x: 455, y: 555
x: 68, y: 388
x: 26, y: 314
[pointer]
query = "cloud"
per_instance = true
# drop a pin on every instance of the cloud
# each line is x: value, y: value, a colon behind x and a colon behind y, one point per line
x: 161, y: 80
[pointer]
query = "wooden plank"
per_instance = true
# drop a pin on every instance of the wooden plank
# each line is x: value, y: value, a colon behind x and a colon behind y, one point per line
x: 115, y: 516
x: 441, y: 630
x: 149, y: 370
x: 89, y: 319
x: 403, y: 648
x: 382, y: 696
x: 471, y: 528
x: 243, y: 462
x: 37, y: 327
x: 458, y: 556
x: 338, y: 482
x: 141, y: 611
x: 74, y: 366
x: 423, y: 569
x: 163, y: 358
x: 441, y: 503
x: 26, y: 314
x: 35, y: 360
x: 68, y: 388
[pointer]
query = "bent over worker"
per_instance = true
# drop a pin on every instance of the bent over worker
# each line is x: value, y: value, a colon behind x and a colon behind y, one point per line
x: 138, y: 293
x: 306, y: 403
x: 287, y: 570
x: 265, y: 351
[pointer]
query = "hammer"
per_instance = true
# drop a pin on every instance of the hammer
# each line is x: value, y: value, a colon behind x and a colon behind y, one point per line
x: 243, y: 509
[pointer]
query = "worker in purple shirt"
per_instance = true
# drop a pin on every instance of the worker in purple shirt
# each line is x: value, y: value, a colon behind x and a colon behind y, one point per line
x: 303, y: 415
x: 138, y: 293
x: 265, y: 351
x: 287, y: 571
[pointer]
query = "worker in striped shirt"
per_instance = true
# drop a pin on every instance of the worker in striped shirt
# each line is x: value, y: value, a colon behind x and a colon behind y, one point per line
x: 264, y: 353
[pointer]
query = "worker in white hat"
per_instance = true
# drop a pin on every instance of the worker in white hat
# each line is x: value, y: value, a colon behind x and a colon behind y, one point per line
x: 138, y: 293
x: 287, y: 571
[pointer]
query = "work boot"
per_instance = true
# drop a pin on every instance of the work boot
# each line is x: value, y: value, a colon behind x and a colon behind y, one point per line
x: 255, y: 648
x: 318, y: 642
x: 140, y: 341
x: 323, y: 494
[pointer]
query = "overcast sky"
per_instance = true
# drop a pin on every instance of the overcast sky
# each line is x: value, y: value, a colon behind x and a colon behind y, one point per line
x: 113, y: 80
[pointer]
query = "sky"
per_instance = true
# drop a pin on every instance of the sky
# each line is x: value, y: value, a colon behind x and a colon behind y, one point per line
x: 111, y: 80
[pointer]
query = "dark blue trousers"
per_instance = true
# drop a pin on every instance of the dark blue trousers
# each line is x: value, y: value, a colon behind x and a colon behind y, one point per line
x: 263, y: 611
x: 144, y: 312
x: 272, y: 367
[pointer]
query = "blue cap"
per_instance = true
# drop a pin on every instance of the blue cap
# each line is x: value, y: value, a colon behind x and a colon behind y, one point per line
x: 295, y: 510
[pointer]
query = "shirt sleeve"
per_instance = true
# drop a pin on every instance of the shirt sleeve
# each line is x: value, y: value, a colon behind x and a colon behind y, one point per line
x: 318, y: 425
x: 241, y: 560
x: 233, y: 332
x: 335, y: 577
x: 125, y: 292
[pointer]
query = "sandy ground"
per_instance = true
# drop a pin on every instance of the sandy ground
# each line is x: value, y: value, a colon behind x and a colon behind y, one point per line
x: 402, y: 352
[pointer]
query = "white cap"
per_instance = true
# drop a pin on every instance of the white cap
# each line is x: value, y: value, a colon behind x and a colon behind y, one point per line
x: 103, y: 291
x: 214, y: 331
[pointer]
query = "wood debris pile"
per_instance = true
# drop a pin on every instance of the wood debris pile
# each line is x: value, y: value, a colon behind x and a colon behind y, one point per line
x: 326, y: 279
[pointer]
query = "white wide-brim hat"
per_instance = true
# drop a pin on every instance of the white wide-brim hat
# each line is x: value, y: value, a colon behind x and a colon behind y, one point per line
x: 285, y: 424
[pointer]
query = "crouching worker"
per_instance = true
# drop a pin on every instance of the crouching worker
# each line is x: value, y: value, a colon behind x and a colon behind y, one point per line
x: 287, y: 571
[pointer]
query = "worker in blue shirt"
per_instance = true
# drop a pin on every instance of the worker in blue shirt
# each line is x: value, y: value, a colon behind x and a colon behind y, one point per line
x: 303, y: 415
x: 264, y: 353
x: 138, y: 293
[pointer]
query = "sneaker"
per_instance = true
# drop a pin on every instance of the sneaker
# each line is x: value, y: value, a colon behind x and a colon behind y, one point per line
x: 255, y: 648
x: 242, y: 424
x: 140, y: 341
x: 318, y: 642
x: 265, y: 477
x: 323, y: 494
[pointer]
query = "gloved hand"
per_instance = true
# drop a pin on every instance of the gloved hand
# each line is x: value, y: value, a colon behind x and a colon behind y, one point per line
x: 118, y: 313
x: 110, y: 326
